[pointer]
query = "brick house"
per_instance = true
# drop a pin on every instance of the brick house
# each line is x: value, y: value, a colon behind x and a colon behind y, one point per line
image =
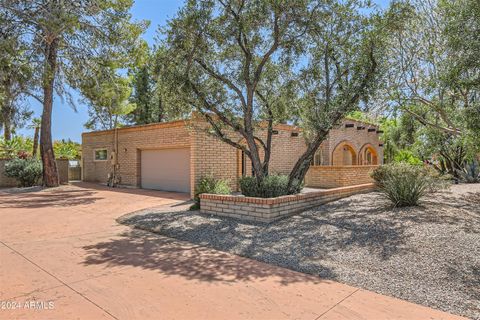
x: 174, y: 156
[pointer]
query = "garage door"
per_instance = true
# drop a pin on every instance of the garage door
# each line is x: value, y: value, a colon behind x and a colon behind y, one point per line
x: 167, y: 169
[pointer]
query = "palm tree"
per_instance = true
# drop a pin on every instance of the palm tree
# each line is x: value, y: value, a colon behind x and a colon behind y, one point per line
x: 36, y: 123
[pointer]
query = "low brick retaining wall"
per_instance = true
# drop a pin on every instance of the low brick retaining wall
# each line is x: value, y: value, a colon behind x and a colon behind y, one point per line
x: 338, y: 176
x: 271, y: 209
x: 6, y: 182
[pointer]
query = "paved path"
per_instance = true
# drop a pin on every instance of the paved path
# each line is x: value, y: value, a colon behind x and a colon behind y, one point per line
x: 63, y: 255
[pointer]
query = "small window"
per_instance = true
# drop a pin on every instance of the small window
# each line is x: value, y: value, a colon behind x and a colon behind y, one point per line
x: 100, y: 154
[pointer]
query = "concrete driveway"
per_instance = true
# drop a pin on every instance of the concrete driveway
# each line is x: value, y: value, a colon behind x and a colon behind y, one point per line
x: 63, y: 256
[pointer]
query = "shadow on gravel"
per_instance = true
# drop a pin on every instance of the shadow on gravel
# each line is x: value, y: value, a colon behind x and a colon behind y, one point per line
x: 168, y: 256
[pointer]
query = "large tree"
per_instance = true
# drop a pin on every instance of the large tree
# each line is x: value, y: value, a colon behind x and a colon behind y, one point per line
x: 434, y: 70
x: 246, y: 65
x: 434, y: 77
x: 107, y: 95
x: 65, y: 36
x: 15, y: 76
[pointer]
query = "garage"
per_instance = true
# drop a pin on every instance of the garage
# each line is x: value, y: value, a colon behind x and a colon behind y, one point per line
x: 166, y: 169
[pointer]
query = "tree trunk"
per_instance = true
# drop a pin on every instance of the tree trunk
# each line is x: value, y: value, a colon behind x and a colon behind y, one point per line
x: 50, y: 172
x: 35, y: 141
x: 7, y: 128
x: 302, y: 165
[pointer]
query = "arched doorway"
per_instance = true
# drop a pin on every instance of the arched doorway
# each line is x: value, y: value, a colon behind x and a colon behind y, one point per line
x: 368, y: 155
x: 344, y: 154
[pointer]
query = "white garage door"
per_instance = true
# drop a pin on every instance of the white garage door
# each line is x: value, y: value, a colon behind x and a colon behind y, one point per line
x: 167, y: 169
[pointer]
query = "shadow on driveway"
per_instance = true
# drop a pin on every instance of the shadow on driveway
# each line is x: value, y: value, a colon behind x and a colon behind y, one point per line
x: 171, y: 257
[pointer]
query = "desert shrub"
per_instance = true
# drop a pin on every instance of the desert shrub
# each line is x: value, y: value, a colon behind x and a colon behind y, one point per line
x: 27, y: 171
x: 270, y: 187
x: 404, y: 184
x: 210, y: 185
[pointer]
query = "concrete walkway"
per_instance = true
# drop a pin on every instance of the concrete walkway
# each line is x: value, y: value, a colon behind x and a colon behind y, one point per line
x: 63, y: 256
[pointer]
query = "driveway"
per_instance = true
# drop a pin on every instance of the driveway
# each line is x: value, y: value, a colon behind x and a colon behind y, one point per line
x: 63, y: 256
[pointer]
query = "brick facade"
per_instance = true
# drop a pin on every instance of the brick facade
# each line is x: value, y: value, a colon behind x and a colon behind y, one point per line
x: 338, y: 176
x: 208, y: 155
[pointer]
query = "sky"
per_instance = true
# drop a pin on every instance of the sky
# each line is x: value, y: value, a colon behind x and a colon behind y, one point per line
x: 67, y: 123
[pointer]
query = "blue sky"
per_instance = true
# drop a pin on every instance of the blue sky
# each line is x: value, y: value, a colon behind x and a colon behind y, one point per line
x: 68, y: 123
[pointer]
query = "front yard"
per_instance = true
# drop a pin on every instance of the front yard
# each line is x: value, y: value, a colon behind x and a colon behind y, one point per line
x: 428, y: 254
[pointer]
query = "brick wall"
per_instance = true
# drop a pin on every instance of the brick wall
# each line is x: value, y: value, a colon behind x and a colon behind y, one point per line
x: 271, y: 209
x: 341, y: 137
x: 209, y: 155
x: 6, y: 182
x: 130, y: 142
x: 338, y: 176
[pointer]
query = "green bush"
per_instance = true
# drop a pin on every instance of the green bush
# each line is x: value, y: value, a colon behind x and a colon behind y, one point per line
x: 404, y: 184
x: 211, y: 185
x: 270, y: 187
x: 26, y: 171
x: 407, y: 157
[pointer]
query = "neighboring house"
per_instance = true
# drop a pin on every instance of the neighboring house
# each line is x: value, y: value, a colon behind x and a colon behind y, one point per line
x: 174, y: 156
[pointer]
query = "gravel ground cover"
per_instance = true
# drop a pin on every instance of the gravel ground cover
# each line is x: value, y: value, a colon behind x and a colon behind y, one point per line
x: 428, y: 255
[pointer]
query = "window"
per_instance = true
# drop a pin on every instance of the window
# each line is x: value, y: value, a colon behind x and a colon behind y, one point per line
x: 100, y: 154
x: 317, y: 158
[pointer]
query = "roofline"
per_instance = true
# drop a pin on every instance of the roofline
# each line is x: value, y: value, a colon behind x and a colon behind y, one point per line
x: 150, y: 126
x: 361, y: 121
x: 180, y: 123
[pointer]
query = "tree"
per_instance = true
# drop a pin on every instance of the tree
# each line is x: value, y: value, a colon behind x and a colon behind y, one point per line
x: 142, y: 95
x: 434, y: 78
x: 246, y: 65
x: 15, y: 76
x: 65, y: 36
x: 155, y: 98
x: 36, y: 124
x: 107, y: 96
x: 428, y: 79
x: 67, y: 149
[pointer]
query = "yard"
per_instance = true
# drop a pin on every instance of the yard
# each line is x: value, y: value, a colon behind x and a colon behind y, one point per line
x: 428, y: 255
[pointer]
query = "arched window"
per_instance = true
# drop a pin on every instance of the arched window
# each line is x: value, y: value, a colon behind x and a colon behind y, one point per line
x: 344, y: 155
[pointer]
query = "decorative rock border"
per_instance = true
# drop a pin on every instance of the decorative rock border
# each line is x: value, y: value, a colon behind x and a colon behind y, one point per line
x: 271, y: 209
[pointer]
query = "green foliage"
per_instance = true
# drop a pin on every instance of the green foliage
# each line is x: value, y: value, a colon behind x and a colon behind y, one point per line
x: 107, y: 94
x: 270, y: 187
x: 10, y: 149
x: 240, y: 63
x: 407, y: 156
x: 26, y: 171
x: 470, y: 173
x: 211, y: 185
x: 67, y: 149
x: 404, y: 184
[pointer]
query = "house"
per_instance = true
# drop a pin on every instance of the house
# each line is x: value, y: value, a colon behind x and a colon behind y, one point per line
x: 174, y: 156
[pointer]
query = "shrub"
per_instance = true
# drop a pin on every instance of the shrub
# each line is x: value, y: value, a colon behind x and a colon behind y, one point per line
x: 270, y: 187
x: 26, y: 171
x: 404, y: 184
x: 210, y: 185
x: 407, y: 157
